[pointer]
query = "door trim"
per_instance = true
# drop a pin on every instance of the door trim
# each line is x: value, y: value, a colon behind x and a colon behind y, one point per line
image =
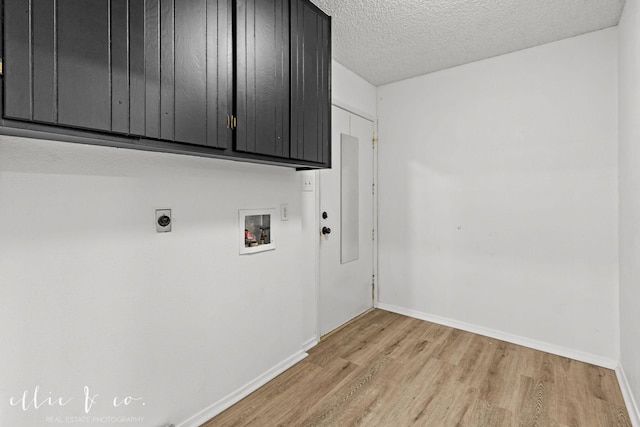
x: 353, y: 110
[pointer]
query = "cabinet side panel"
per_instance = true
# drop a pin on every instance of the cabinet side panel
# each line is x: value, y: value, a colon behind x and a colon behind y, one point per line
x: 84, y: 84
x: 137, y: 87
x: 191, y: 72
x: 119, y: 66
x: 167, y: 71
x: 152, y: 68
x: 17, y: 63
x: 44, y: 67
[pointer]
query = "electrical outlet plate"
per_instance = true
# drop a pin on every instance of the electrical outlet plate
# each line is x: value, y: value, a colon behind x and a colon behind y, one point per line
x: 163, y: 213
x: 308, y: 181
x: 284, y: 212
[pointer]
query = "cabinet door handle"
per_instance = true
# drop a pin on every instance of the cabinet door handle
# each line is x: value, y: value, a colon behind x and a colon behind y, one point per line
x: 228, y: 121
x: 235, y: 122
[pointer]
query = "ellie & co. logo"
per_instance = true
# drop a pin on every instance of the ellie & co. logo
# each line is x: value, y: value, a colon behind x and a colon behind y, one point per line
x: 88, y: 401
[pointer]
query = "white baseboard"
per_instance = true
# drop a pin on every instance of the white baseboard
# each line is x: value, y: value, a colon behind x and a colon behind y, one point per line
x: 503, y: 336
x: 224, y: 403
x: 312, y: 342
x: 629, y: 401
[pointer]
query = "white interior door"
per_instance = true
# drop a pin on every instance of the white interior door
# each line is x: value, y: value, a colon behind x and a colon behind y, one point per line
x: 346, y: 210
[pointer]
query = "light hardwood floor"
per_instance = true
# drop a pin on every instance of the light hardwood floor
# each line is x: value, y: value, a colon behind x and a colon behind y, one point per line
x: 385, y: 369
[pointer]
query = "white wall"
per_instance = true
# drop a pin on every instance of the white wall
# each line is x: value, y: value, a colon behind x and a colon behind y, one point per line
x: 498, y: 194
x: 352, y: 91
x: 629, y: 158
x: 91, y: 295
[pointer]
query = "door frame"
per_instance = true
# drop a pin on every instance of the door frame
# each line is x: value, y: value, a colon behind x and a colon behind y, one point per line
x: 357, y: 112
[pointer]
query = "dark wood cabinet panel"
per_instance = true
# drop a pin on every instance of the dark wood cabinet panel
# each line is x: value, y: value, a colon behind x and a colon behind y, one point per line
x: 44, y: 66
x: 182, y: 83
x: 63, y: 67
x: 200, y: 73
x: 219, y: 72
x: 152, y: 68
x: 157, y: 69
x: 167, y: 65
x: 119, y: 66
x: 187, y: 71
x: 18, y: 91
x: 83, y: 59
x: 137, y: 86
x: 245, y: 79
x: 191, y: 71
x: 310, y: 83
x: 262, y: 77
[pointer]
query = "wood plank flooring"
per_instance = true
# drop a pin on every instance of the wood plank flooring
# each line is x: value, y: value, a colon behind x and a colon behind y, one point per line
x: 385, y: 369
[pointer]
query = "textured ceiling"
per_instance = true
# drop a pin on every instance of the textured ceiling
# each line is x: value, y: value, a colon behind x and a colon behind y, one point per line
x: 390, y: 40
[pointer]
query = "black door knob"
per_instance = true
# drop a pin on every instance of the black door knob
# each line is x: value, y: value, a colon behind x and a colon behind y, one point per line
x: 324, y: 215
x: 326, y: 230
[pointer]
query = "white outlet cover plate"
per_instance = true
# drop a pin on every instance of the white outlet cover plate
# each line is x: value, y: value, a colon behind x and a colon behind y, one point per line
x: 308, y: 181
x: 284, y: 212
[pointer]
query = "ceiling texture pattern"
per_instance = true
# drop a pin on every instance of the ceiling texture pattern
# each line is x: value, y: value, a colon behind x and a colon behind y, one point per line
x: 389, y: 40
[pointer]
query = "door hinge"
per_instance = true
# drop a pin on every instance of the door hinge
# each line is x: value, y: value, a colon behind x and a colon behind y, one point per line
x: 373, y: 142
x: 373, y: 234
x: 232, y: 122
x: 373, y: 189
x: 373, y: 288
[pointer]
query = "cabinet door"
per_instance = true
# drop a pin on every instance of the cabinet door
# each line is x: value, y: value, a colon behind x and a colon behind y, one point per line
x: 57, y: 62
x: 187, y: 71
x: 180, y: 72
x: 262, y: 77
x: 62, y: 66
x: 153, y: 68
x: 310, y: 83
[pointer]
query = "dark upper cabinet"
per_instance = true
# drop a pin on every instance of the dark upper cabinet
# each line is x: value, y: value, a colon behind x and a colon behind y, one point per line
x: 310, y: 83
x: 246, y: 79
x: 262, y: 77
x: 151, y: 68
